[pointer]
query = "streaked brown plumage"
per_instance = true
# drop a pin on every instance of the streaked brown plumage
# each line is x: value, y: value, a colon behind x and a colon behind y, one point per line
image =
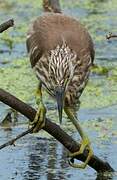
x: 49, y: 31
x: 61, y: 53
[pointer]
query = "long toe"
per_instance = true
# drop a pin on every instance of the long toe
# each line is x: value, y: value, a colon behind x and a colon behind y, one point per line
x: 84, y: 146
x: 39, y: 120
x: 40, y: 123
x: 82, y: 165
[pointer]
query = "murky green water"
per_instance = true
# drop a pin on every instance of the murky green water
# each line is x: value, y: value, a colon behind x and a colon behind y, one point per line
x: 39, y: 156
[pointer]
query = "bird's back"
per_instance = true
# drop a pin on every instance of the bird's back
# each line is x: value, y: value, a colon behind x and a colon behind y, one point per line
x: 50, y: 30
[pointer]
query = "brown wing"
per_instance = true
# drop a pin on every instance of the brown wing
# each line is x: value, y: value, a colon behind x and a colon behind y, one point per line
x: 49, y: 30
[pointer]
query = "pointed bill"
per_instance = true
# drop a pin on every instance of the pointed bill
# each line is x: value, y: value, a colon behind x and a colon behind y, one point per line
x: 60, y: 98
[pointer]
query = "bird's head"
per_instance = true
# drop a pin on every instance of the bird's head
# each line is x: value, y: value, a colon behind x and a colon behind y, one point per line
x: 61, y: 71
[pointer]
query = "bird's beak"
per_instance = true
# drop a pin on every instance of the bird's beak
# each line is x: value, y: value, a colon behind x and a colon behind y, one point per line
x: 60, y: 98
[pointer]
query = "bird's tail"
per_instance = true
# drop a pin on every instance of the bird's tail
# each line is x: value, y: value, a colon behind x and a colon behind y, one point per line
x: 51, y: 6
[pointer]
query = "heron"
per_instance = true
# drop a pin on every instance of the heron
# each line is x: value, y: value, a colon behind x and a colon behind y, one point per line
x: 61, y: 53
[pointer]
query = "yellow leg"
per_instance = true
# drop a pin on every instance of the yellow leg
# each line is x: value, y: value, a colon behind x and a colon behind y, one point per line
x: 39, y: 121
x: 85, y: 144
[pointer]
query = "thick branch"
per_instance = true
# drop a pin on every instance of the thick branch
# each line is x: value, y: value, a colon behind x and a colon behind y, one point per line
x: 6, y: 25
x: 51, y: 6
x: 54, y: 130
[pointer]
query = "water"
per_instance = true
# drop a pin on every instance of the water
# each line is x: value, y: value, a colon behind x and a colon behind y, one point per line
x: 39, y: 156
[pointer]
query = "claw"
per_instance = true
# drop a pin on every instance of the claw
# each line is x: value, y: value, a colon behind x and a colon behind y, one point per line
x: 39, y: 121
x: 85, y: 145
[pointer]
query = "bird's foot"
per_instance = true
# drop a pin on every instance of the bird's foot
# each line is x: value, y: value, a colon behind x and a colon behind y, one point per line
x: 39, y: 120
x: 85, y: 145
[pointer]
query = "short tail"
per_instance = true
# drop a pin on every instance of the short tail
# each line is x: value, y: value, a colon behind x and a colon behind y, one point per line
x: 52, y: 6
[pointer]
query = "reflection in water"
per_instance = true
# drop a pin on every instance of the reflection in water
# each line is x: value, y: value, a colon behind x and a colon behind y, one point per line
x: 52, y: 161
x: 35, y: 158
x: 46, y: 160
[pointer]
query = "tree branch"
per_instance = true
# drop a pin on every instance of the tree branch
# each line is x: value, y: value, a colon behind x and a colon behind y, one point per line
x: 6, y: 25
x: 12, y: 141
x: 55, y: 131
x: 111, y: 35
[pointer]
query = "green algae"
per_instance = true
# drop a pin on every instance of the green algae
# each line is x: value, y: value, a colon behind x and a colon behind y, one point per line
x: 18, y: 79
x: 99, y: 94
x: 100, y: 70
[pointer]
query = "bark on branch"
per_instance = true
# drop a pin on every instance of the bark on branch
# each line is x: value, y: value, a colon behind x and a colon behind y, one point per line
x: 99, y: 165
x: 6, y: 25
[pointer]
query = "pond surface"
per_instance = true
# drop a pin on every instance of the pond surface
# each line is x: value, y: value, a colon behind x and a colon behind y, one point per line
x: 40, y: 156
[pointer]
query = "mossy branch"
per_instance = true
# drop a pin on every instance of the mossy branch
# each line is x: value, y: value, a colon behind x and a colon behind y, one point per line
x: 54, y: 130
